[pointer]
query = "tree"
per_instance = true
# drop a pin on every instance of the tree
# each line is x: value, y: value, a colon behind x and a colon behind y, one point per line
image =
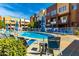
x: 29, y: 25
x: 2, y: 24
x: 35, y: 24
x: 12, y: 47
x: 32, y: 24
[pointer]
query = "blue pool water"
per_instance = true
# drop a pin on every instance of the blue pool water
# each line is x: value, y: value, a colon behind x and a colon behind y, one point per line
x: 35, y: 35
x: 30, y: 42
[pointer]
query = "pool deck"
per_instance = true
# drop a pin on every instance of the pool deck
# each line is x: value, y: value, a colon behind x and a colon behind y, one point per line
x: 66, y: 40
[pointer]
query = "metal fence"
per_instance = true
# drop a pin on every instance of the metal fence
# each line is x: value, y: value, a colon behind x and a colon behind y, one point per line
x: 65, y: 30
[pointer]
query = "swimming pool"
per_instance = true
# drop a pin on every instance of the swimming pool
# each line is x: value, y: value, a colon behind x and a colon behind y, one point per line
x: 35, y: 35
x: 30, y: 42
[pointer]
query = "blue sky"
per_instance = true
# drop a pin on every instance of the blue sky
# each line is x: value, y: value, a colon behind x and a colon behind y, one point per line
x: 21, y: 10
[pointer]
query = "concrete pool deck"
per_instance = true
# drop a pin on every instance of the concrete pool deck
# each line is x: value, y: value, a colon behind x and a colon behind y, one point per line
x: 66, y: 40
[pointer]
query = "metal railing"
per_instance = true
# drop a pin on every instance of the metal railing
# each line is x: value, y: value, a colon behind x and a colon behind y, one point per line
x: 64, y: 30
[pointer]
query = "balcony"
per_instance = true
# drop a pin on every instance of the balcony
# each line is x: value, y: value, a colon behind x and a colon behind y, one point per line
x: 53, y: 22
x: 64, y: 21
x: 48, y: 24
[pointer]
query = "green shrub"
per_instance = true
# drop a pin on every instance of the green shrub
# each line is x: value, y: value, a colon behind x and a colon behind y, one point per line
x: 76, y: 32
x: 12, y: 47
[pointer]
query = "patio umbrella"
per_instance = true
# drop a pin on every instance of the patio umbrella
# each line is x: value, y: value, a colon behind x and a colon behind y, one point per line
x: 16, y: 26
x: 7, y: 27
x: 43, y: 24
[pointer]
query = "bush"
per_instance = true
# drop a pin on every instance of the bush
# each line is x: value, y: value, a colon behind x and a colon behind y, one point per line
x: 76, y: 32
x: 12, y: 47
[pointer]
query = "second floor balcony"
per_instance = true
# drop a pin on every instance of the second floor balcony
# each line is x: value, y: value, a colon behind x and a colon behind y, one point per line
x: 53, y: 22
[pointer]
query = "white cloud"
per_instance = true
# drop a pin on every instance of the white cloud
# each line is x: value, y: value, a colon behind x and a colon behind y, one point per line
x: 6, y: 12
x: 27, y: 20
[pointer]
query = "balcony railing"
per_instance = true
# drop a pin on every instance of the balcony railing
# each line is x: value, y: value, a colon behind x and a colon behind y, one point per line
x: 53, y: 22
x: 63, y: 21
x: 48, y: 24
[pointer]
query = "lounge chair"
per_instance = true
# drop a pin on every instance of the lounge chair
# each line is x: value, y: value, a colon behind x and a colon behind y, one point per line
x: 3, y: 36
x: 12, y: 36
x: 34, y: 49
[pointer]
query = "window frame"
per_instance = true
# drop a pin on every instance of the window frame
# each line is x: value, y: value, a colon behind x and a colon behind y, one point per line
x: 74, y: 7
x: 62, y: 9
x: 54, y: 12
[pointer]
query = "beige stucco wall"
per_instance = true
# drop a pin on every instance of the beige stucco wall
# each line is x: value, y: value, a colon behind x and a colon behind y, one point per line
x: 7, y: 19
x: 0, y: 17
x: 42, y: 12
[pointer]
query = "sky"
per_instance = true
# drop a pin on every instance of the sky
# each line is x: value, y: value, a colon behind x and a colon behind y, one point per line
x: 21, y: 10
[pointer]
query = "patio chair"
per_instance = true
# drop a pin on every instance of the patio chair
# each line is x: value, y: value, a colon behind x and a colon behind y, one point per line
x: 34, y: 49
x: 3, y: 36
x: 12, y: 36
x: 53, y: 44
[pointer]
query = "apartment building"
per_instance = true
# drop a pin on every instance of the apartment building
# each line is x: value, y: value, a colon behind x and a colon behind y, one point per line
x: 31, y: 18
x: 7, y: 20
x: 63, y: 11
x: 1, y: 20
x: 51, y: 16
x: 24, y: 22
x: 41, y: 14
x: 0, y: 17
x: 62, y: 15
x: 14, y: 23
x: 11, y: 22
x: 74, y: 14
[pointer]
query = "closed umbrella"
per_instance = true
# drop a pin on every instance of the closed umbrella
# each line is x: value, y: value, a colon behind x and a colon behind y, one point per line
x: 43, y: 24
x: 7, y: 27
x: 16, y: 26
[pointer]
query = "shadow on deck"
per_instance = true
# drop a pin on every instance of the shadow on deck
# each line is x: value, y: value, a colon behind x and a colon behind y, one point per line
x: 72, y: 49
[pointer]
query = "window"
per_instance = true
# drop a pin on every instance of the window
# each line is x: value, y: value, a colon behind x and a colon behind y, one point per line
x: 48, y: 14
x: 53, y: 12
x: 62, y: 9
x: 64, y: 19
x: 74, y: 7
x: 7, y: 21
x: 49, y: 20
x: 12, y: 21
x: 53, y: 21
